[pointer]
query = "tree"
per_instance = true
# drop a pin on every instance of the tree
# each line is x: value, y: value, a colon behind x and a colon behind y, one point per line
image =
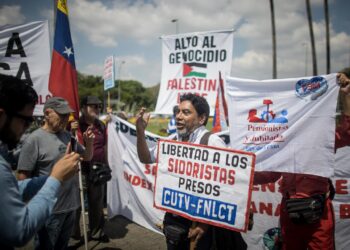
x: 133, y: 94
x: 274, y: 55
x: 312, y: 38
x: 90, y: 85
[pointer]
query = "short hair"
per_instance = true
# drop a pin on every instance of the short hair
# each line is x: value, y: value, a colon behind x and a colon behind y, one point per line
x: 175, y: 109
x: 15, y: 94
x: 199, y: 103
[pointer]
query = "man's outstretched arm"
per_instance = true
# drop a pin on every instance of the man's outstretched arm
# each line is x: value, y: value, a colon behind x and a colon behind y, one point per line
x: 142, y: 147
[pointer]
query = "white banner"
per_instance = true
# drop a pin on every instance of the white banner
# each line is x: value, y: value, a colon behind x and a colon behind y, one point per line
x: 25, y: 53
x: 130, y: 192
x: 191, y: 64
x: 206, y: 184
x: 288, y: 123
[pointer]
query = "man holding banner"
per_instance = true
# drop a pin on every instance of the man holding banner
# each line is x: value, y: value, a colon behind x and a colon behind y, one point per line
x: 307, y: 217
x: 191, y: 118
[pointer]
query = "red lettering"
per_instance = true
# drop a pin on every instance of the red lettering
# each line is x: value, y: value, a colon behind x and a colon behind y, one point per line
x: 265, y: 208
x: 269, y: 186
x: 253, y: 207
x: 150, y: 169
x: 231, y: 177
x: 344, y: 211
x: 341, y: 187
x: 278, y: 210
x: 170, y: 165
x: 147, y: 169
x: 42, y: 99
x: 138, y: 181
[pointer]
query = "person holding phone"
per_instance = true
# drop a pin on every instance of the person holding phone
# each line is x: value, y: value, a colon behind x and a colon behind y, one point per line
x: 41, y: 150
x: 25, y: 205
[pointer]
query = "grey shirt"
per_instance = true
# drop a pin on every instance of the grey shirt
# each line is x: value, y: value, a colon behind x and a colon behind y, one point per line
x: 40, y: 151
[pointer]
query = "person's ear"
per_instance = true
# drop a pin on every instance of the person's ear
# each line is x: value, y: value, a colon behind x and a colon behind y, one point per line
x: 46, y: 113
x: 202, y: 119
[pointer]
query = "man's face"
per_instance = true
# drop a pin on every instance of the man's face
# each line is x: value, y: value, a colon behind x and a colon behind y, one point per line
x: 55, y: 121
x: 15, y: 126
x: 187, y: 119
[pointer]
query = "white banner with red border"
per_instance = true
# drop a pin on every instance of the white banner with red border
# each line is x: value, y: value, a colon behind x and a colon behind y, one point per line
x: 204, y: 183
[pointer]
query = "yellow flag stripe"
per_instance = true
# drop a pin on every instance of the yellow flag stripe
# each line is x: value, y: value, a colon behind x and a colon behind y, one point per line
x: 62, y: 6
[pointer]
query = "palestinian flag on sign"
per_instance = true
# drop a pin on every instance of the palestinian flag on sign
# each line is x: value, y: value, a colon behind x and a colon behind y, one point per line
x: 194, y: 69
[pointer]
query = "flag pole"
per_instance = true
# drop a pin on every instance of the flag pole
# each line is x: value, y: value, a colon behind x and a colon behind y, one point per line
x: 82, y: 203
x: 109, y: 100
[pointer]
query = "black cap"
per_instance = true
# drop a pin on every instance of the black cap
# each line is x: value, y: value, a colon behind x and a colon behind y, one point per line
x: 90, y: 99
x: 59, y: 105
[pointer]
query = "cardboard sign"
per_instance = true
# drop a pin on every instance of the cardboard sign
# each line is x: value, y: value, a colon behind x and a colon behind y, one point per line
x: 204, y: 183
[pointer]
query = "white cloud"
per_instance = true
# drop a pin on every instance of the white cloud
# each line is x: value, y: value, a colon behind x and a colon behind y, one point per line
x: 11, y: 15
x: 93, y: 69
x: 140, y: 24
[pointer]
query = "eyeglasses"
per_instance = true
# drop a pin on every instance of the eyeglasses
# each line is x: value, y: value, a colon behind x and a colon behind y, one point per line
x: 27, y: 119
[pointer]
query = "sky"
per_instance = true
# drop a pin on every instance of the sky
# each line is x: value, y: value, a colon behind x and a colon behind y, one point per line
x: 131, y: 30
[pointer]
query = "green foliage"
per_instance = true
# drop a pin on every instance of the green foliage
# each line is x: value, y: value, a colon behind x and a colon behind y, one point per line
x: 90, y: 85
x: 133, y: 94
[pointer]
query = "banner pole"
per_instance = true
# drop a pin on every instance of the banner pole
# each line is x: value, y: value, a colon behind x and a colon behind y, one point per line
x: 82, y: 203
x: 109, y: 100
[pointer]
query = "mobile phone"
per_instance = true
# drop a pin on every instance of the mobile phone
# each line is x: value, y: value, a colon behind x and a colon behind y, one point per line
x: 73, y: 144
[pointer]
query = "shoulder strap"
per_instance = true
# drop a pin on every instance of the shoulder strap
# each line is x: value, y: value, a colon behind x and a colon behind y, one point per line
x: 205, y: 138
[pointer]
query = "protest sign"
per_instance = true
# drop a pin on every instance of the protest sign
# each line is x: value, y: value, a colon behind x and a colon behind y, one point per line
x: 25, y: 53
x: 108, y: 73
x: 191, y: 64
x: 288, y: 123
x: 204, y: 183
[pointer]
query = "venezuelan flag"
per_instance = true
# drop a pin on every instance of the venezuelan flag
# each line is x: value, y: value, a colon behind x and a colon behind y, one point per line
x: 63, y: 75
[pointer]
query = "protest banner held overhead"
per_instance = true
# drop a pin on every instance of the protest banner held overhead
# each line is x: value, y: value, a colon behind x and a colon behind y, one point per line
x: 203, y: 183
x: 25, y: 53
x: 191, y: 64
x: 288, y: 123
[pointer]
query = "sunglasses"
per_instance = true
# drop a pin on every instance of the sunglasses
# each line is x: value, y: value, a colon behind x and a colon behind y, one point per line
x: 27, y: 119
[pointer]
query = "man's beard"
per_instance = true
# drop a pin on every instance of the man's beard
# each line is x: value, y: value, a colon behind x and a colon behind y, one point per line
x: 184, y: 133
x: 7, y: 136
